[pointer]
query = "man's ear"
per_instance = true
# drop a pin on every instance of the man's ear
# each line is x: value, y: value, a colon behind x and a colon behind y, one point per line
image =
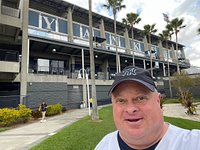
x: 159, y: 98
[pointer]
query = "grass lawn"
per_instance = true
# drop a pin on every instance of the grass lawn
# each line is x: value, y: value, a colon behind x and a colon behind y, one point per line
x: 85, y: 134
x: 171, y: 101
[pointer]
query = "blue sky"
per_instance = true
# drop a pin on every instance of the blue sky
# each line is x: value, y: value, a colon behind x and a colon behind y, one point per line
x: 151, y: 12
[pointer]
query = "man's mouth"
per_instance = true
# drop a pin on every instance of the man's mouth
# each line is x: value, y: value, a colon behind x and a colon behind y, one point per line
x: 133, y: 120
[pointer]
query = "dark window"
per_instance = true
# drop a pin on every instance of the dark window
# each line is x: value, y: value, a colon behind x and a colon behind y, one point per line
x: 97, y: 33
x: 62, y: 26
x: 76, y: 29
x: 33, y: 18
x: 48, y: 22
x: 108, y: 38
x: 85, y: 32
x: 122, y: 42
x: 114, y: 41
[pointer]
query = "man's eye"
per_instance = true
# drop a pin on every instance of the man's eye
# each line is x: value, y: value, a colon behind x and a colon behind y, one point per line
x: 141, y: 99
x: 120, y: 101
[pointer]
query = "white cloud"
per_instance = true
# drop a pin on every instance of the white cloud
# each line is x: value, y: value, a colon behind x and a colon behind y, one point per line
x: 151, y: 12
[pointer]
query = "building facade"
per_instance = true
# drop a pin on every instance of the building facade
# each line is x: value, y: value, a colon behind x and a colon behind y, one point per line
x: 44, y: 48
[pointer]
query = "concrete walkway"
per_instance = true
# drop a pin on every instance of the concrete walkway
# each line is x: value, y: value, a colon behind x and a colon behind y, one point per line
x: 28, y: 135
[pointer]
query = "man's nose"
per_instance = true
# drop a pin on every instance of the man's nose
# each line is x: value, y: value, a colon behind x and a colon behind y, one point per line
x: 131, y: 108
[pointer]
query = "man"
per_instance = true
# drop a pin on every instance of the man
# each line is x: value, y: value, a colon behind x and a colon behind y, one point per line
x: 139, y: 118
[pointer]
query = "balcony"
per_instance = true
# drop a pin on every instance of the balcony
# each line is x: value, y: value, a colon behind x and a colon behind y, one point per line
x: 9, y: 67
x: 9, y: 61
x: 10, y: 11
x: 10, y: 16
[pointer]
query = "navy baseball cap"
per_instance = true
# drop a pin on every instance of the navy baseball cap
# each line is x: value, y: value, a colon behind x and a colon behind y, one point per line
x: 132, y: 73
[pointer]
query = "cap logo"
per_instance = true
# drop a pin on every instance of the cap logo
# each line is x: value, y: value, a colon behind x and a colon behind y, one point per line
x: 129, y: 72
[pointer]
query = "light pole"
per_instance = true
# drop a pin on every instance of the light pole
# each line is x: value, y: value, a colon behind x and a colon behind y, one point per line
x: 88, y: 88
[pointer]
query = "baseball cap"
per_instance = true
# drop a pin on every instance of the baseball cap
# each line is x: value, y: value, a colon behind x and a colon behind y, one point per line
x: 133, y: 73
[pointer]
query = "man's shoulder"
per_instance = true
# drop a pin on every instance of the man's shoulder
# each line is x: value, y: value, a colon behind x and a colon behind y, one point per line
x: 179, y: 138
x: 109, y: 140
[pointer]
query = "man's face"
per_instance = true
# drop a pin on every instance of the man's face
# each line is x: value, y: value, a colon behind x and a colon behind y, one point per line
x: 137, y: 112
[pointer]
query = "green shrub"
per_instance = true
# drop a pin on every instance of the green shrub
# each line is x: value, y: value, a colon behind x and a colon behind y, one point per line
x: 8, y: 116
x: 25, y: 113
x: 54, y: 109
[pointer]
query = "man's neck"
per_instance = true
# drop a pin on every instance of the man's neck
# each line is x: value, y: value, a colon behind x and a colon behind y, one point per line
x: 143, y: 144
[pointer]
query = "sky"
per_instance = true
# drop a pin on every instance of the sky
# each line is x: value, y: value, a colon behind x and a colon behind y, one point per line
x: 151, y: 12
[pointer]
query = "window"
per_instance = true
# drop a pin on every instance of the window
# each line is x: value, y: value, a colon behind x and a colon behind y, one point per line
x: 85, y: 32
x: 170, y: 53
x: 97, y: 33
x: 43, y: 65
x: 122, y: 42
x: 114, y: 41
x: 76, y: 29
x: 138, y: 46
x: 107, y: 38
x: 62, y: 26
x: 142, y: 47
x: 33, y: 18
x: 48, y: 22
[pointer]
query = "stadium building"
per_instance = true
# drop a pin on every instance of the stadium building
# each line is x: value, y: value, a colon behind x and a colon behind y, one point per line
x: 44, y: 48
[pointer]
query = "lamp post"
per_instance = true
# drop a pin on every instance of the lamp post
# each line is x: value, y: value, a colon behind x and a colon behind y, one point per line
x: 87, y: 83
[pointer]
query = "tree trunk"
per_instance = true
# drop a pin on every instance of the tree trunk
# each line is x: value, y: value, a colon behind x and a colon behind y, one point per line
x: 116, y: 44
x: 178, y: 69
x: 151, y: 65
x: 133, y: 46
x: 95, y: 114
x: 168, y: 71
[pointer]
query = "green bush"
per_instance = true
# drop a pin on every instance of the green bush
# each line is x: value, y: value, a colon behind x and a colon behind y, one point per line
x: 8, y: 116
x: 54, y: 109
x: 25, y: 113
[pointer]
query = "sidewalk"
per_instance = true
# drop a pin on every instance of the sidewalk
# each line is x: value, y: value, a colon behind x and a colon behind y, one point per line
x: 26, y: 136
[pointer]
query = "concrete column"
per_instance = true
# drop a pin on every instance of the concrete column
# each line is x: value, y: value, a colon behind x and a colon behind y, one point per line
x: 25, y: 52
x: 104, y: 68
x: 164, y: 72
x: 144, y: 63
x: 102, y: 31
x: 72, y: 67
x: 161, y: 51
x: 173, y: 54
x: 70, y: 25
x: 119, y: 63
x: 128, y: 50
x: 146, y: 47
x: 183, y: 54
x: 0, y: 8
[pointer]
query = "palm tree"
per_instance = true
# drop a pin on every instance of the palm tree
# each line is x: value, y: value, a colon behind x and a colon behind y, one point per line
x: 95, y: 114
x: 164, y: 36
x: 115, y: 5
x: 130, y: 20
x: 148, y: 29
x: 177, y: 24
